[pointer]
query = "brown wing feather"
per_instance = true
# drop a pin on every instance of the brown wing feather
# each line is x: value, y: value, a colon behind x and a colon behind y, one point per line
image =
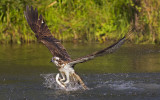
x: 107, y: 50
x: 44, y: 35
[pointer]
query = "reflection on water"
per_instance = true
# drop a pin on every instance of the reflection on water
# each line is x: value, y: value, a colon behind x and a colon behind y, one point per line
x: 131, y: 73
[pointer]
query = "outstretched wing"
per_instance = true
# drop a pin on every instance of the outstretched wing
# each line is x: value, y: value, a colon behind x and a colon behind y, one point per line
x: 107, y: 50
x: 44, y: 35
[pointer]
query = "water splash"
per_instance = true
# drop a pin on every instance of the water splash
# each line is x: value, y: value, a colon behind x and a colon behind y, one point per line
x: 117, y: 85
x: 122, y: 85
x: 50, y: 82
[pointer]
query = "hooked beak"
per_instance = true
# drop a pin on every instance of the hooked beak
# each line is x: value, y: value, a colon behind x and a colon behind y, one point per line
x: 51, y: 61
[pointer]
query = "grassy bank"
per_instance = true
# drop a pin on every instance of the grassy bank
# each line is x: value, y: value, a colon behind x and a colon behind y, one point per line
x: 83, y: 20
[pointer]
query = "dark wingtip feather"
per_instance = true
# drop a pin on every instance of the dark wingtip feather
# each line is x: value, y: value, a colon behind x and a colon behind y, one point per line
x: 27, y: 8
x: 25, y: 14
x: 36, y: 14
x: 40, y: 17
x: 43, y: 34
x: 31, y: 9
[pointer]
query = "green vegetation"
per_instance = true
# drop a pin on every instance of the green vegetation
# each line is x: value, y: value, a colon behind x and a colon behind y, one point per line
x: 83, y: 20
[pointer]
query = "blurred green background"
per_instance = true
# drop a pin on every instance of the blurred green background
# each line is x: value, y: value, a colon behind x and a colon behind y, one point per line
x: 83, y: 20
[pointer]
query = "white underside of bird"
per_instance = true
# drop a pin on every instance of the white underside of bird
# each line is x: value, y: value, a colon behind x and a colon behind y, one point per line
x: 66, y: 74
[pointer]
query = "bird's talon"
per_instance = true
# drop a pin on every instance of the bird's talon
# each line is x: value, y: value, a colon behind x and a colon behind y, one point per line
x: 62, y: 80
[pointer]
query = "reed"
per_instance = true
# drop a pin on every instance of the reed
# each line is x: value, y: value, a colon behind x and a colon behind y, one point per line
x: 83, y: 20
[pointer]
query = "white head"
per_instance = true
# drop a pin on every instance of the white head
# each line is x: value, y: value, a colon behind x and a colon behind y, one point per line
x: 55, y: 60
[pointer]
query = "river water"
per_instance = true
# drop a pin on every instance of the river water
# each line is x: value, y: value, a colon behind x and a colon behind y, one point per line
x: 131, y: 73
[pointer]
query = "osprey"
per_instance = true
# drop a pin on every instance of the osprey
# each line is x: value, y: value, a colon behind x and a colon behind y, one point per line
x: 60, y: 57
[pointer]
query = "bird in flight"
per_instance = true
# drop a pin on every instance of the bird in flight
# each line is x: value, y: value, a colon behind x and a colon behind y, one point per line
x: 61, y: 58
